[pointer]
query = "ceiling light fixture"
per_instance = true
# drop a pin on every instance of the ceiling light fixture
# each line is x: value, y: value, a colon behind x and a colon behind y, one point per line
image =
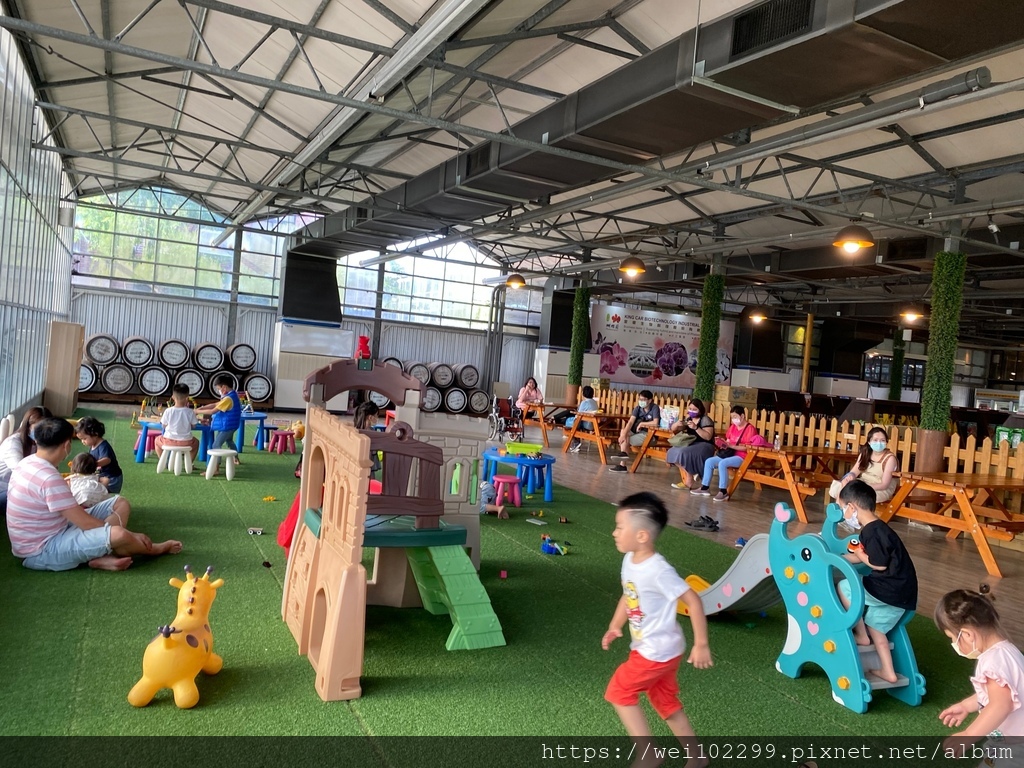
x: 515, y: 280
x: 912, y: 313
x: 853, y: 237
x: 632, y: 266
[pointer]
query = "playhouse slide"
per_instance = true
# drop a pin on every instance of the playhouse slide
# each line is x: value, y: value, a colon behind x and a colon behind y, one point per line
x: 748, y: 585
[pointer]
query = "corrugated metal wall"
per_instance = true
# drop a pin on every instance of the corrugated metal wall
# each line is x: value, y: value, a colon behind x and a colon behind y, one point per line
x: 159, y: 318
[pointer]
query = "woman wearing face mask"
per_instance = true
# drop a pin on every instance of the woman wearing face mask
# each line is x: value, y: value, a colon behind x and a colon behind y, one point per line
x: 17, y: 447
x: 740, y: 432
x: 875, y: 466
x: 690, y: 457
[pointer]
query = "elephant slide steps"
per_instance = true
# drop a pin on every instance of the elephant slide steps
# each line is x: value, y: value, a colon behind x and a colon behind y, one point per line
x: 448, y: 583
x: 869, y: 660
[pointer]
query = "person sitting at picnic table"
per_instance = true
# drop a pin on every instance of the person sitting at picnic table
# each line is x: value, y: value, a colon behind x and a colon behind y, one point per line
x: 692, y: 444
x: 729, y: 456
x: 529, y: 395
x: 646, y: 415
x: 875, y: 465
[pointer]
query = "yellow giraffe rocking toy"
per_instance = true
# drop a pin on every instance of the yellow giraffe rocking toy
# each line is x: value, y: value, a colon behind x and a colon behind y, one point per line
x: 183, y: 649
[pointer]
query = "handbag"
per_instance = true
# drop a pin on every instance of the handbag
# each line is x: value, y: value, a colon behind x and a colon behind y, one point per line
x: 682, y: 439
x: 727, y: 451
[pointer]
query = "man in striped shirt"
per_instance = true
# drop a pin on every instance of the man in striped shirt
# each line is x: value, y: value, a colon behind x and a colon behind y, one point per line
x: 50, y: 531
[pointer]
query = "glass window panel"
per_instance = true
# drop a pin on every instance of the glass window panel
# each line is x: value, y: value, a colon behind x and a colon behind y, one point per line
x: 255, y: 285
x: 175, y: 275
x: 261, y: 264
x: 425, y: 306
x: 428, y: 267
x: 210, y: 279
x: 396, y: 303
x: 427, y: 288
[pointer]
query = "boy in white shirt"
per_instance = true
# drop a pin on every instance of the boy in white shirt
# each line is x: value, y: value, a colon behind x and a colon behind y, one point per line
x: 177, y: 422
x: 651, y: 590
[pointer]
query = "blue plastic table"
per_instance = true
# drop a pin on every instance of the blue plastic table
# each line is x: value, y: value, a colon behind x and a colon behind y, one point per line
x: 205, y: 438
x: 254, y: 416
x: 532, y: 472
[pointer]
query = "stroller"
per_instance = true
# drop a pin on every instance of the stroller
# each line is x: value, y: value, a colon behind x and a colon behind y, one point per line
x: 505, y: 420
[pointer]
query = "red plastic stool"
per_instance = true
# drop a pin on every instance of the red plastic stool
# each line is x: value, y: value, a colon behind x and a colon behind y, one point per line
x: 507, y: 485
x: 280, y: 440
x: 151, y: 436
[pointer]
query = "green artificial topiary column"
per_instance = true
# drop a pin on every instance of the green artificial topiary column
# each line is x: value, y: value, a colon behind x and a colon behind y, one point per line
x: 580, y: 326
x: 899, y: 347
x: 707, y: 351
x: 947, y: 298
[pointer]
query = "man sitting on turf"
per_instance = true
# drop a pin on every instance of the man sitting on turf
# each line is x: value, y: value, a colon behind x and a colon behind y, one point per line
x: 50, y: 531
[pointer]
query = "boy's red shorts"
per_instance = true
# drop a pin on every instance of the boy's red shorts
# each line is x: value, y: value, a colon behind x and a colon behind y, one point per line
x: 655, y: 678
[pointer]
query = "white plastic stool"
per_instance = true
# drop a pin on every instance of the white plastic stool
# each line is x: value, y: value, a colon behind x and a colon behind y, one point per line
x: 214, y: 458
x: 182, y: 457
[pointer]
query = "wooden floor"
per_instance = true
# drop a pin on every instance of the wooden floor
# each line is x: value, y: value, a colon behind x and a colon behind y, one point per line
x: 941, y: 565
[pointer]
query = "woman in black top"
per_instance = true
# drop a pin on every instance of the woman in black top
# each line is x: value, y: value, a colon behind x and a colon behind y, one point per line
x: 690, y: 458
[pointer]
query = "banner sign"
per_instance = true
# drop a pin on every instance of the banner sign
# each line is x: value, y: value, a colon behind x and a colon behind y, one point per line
x: 645, y: 346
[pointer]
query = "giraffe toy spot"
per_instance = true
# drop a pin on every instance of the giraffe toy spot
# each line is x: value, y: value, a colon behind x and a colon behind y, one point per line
x: 812, y: 627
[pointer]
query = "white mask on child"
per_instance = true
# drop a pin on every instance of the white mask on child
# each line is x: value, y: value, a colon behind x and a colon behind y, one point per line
x: 971, y: 654
x: 853, y: 521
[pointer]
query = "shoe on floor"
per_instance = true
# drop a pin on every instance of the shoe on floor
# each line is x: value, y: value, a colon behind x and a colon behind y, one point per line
x: 720, y: 496
x: 703, y: 518
x: 701, y: 492
x: 704, y: 524
x: 681, y: 486
x: 617, y: 468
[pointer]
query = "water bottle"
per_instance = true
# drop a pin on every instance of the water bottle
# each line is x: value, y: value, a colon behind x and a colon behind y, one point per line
x: 778, y: 441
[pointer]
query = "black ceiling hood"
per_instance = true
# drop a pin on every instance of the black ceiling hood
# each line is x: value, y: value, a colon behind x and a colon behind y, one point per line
x: 738, y: 72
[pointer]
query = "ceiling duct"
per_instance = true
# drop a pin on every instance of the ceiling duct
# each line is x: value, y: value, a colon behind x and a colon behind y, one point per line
x: 739, y: 72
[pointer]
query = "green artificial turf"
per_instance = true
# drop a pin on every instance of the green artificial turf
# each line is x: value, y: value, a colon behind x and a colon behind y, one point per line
x: 71, y: 643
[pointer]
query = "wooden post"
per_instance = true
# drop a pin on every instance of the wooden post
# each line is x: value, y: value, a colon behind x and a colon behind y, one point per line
x: 805, y: 372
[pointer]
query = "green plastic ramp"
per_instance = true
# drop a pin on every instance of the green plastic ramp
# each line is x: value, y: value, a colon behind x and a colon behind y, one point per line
x: 449, y: 583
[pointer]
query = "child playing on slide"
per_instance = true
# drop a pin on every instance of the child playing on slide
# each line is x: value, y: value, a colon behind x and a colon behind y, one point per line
x: 651, y: 589
x: 891, y: 587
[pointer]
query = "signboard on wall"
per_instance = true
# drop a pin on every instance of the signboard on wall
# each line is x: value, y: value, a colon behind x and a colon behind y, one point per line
x: 645, y: 346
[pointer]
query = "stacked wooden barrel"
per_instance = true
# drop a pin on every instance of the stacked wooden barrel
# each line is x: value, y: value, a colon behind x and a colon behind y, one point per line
x: 448, y: 388
x: 139, y: 368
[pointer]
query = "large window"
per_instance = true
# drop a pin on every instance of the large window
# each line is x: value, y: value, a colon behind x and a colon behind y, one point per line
x: 444, y: 288
x: 161, y: 241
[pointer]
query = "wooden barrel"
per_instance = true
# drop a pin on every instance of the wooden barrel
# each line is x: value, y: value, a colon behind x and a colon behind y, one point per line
x: 173, y: 353
x: 193, y: 379
x: 479, y: 401
x: 467, y: 376
x: 86, y: 377
x: 213, y: 377
x: 117, y: 379
x: 421, y: 372
x: 242, y: 357
x: 154, y: 381
x: 258, y: 387
x: 102, y: 349
x: 208, y: 357
x: 394, y: 361
x: 455, y: 400
x: 381, y: 401
x: 137, y: 351
x: 431, y: 399
x: 441, y: 375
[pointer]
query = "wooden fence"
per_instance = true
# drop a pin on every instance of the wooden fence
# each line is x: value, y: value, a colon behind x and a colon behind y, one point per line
x: 968, y: 455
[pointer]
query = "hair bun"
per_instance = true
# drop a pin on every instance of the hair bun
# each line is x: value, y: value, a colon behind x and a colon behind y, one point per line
x: 986, y: 591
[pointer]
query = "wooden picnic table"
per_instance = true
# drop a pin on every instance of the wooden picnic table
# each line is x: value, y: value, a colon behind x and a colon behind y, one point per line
x: 594, y: 418
x: 799, y: 481
x: 968, y: 497
x: 543, y: 412
x: 648, y: 446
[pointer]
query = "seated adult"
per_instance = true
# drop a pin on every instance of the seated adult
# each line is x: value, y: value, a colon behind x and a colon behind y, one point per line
x: 646, y: 415
x: 17, y: 446
x: 875, y: 465
x: 740, y: 432
x: 529, y: 395
x: 691, y: 455
x: 50, y: 531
